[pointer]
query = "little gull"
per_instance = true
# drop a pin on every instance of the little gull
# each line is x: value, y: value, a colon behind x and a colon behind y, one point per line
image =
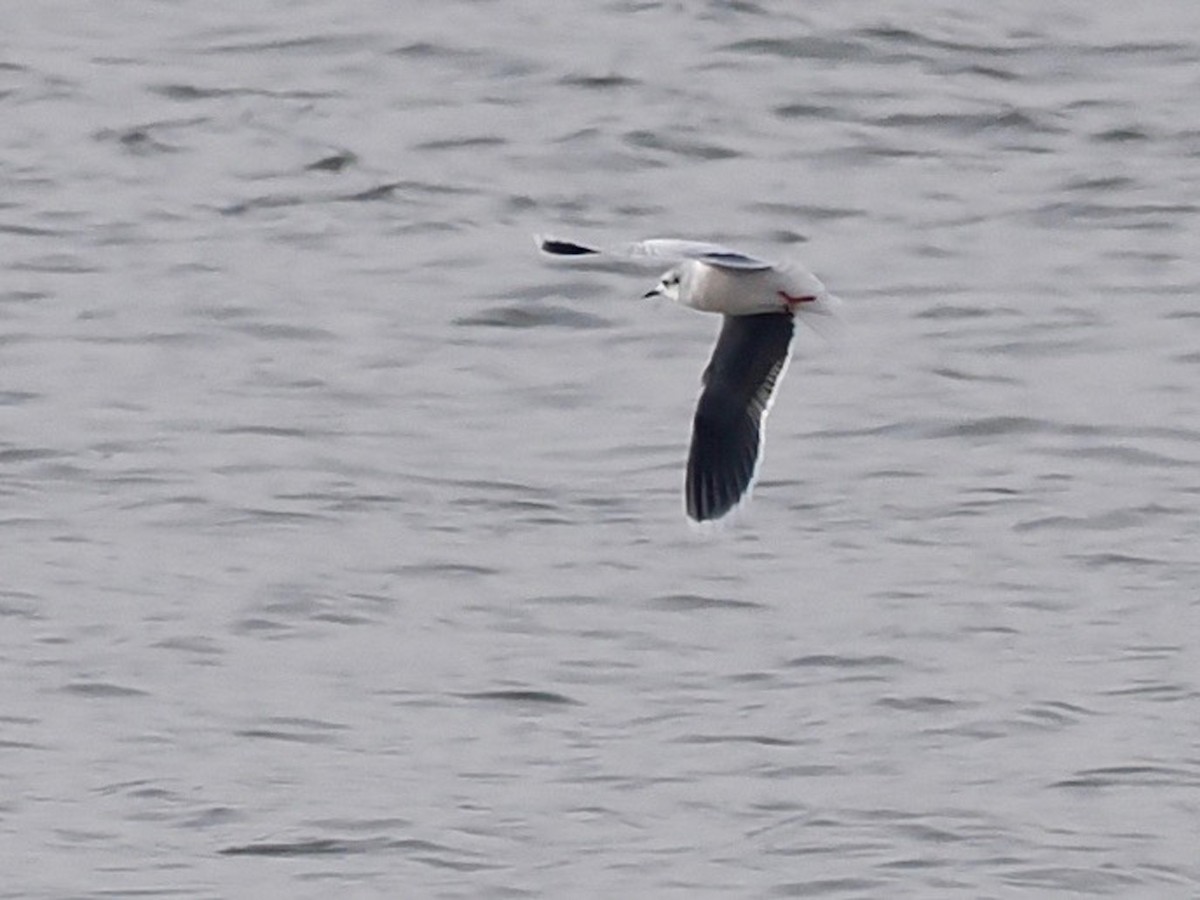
x: 760, y: 302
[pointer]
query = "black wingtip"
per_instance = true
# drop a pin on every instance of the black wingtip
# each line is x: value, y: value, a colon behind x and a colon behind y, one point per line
x: 556, y: 247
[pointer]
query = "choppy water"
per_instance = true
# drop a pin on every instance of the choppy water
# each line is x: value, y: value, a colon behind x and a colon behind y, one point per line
x: 343, y: 550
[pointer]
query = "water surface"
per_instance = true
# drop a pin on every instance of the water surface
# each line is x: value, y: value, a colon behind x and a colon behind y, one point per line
x: 343, y: 546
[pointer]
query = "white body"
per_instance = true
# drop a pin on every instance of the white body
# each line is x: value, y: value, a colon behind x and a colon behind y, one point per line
x: 740, y: 292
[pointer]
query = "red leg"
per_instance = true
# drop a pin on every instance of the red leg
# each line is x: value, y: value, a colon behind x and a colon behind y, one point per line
x: 792, y: 302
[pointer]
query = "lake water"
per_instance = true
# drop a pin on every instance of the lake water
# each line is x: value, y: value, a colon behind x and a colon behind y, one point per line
x: 343, y: 538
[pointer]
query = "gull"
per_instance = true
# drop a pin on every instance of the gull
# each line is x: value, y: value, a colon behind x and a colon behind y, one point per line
x: 760, y: 302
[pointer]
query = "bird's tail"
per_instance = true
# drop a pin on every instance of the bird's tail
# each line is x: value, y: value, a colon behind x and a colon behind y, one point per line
x: 822, y: 315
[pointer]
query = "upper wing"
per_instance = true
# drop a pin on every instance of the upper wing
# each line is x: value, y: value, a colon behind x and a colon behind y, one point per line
x: 713, y: 254
x: 748, y: 361
x: 659, y: 249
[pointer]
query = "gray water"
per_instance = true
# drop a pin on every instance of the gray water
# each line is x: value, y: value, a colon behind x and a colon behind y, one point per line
x: 343, y: 545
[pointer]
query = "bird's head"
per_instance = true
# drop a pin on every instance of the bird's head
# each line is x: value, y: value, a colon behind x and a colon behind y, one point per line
x: 668, y: 286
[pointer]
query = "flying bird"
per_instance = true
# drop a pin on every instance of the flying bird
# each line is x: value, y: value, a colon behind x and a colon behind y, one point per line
x: 760, y: 302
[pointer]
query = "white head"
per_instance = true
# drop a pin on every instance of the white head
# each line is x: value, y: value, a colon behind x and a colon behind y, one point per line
x: 670, y: 285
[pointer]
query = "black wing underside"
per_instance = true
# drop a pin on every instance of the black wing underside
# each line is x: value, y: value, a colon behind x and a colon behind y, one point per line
x: 750, y: 355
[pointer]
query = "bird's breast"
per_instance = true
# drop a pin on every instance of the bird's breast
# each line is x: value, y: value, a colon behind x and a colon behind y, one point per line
x: 735, y: 293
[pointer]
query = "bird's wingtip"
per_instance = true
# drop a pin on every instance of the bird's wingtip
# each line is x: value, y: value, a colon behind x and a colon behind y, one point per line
x: 559, y: 247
